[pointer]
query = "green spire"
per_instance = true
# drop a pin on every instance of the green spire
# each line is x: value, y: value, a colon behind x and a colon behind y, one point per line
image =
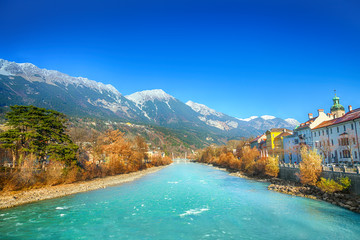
x: 337, y: 105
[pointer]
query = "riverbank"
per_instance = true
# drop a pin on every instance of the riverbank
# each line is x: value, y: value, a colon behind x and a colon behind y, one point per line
x: 348, y: 201
x: 12, y: 199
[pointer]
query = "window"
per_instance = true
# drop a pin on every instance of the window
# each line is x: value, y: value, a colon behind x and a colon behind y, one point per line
x: 331, y: 131
x: 337, y: 129
x: 323, y: 132
x: 340, y: 155
x: 315, y: 144
x: 346, y: 153
x: 314, y: 134
x: 352, y: 126
x: 332, y: 142
x: 327, y: 131
x: 354, y: 141
x: 344, y: 142
x: 320, y: 143
x: 344, y: 128
x: 355, y: 153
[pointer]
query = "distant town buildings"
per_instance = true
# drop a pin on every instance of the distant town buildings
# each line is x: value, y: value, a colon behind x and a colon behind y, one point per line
x: 334, y: 135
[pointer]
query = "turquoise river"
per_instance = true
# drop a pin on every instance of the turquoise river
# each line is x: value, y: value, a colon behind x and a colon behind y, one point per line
x: 181, y: 201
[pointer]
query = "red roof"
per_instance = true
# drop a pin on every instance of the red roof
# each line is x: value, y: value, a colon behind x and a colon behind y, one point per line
x: 257, y: 138
x: 306, y: 124
x: 354, y: 114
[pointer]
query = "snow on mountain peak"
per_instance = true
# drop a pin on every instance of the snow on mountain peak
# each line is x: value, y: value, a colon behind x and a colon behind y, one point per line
x: 267, y: 117
x: 248, y: 119
x: 32, y: 73
x: 292, y: 121
x: 203, y: 109
x: 149, y: 95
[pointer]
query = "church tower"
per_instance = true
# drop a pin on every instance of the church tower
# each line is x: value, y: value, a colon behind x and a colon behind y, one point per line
x: 337, y: 110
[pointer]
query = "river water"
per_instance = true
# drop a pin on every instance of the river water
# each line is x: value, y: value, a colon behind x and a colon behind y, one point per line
x: 182, y: 201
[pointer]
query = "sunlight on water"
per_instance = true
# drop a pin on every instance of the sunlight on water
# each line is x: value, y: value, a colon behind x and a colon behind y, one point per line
x: 182, y: 201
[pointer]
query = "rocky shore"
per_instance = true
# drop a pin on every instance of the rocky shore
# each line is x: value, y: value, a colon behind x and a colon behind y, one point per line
x: 348, y: 201
x: 12, y: 199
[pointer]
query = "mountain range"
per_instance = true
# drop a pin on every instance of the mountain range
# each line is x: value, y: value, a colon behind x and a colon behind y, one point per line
x: 25, y: 84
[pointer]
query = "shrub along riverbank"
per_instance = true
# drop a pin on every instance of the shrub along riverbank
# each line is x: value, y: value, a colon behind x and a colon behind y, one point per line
x: 245, y: 162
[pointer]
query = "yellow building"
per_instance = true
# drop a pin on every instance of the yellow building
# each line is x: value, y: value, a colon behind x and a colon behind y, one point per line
x: 279, y: 145
x: 274, y: 142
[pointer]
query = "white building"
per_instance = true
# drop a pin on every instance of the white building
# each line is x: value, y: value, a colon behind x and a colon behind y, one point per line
x: 302, y: 136
x: 337, y: 140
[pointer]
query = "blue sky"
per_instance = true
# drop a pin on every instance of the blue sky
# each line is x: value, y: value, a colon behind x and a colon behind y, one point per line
x: 243, y: 58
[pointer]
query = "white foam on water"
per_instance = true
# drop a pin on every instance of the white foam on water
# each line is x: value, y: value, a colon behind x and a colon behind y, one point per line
x: 195, y: 211
x: 18, y: 224
x: 61, y: 208
x: 173, y: 182
x: 61, y: 215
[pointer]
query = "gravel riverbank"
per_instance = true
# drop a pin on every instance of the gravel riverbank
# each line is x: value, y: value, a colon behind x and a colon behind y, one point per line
x: 12, y: 199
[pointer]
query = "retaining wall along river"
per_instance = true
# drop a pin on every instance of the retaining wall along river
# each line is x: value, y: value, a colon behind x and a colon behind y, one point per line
x: 289, y: 172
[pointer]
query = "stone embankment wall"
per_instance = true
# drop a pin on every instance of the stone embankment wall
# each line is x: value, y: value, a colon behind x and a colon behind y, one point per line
x: 290, y: 173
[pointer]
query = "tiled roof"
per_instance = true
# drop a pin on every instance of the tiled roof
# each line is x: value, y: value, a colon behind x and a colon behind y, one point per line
x: 354, y: 114
x: 306, y: 124
x: 279, y: 130
x: 257, y: 138
x: 284, y: 134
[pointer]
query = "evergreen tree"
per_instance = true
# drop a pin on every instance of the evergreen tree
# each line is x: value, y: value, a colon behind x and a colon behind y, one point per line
x: 38, y: 131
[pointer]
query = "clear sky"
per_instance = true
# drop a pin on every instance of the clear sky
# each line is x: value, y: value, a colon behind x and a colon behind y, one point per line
x: 243, y: 58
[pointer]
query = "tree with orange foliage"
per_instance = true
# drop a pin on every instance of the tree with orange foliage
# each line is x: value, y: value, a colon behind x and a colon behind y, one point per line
x: 117, y: 149
x: 260, y: 165
x: 310, y: 166
x: 248, y: 156
x: 272, y: 166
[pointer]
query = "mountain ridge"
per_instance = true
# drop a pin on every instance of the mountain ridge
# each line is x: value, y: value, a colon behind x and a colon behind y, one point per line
x: 25, y: 83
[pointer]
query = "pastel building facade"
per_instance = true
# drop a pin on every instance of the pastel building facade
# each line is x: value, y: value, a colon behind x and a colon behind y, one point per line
x: 274, y: 144
x: 337, y: 140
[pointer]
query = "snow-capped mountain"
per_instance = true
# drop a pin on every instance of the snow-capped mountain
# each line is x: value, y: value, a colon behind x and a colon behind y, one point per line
x: 25, y: 84
x: 203, y: 110
x: 163, y: 109
x: 149, y: 95
x: 238, y: 125
x: 292, y: 121
x: 34, y: 74
x: 212, y: 117
x: 266, y: 122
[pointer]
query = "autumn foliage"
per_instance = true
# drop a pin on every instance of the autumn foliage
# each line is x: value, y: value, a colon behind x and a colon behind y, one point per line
x: 110, y: 153
x: 272, y: 166
x: 310, y: 166
x: 244, y: 159
x: 331, y: 186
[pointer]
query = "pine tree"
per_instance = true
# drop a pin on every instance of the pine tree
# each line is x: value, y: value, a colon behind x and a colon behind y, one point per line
x: 40, y: 132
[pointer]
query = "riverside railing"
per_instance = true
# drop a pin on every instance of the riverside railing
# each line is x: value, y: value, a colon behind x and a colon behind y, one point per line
x: 333, y: 168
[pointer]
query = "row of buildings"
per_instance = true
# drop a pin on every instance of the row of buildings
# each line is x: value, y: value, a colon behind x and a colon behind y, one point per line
x: 334, y: 135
